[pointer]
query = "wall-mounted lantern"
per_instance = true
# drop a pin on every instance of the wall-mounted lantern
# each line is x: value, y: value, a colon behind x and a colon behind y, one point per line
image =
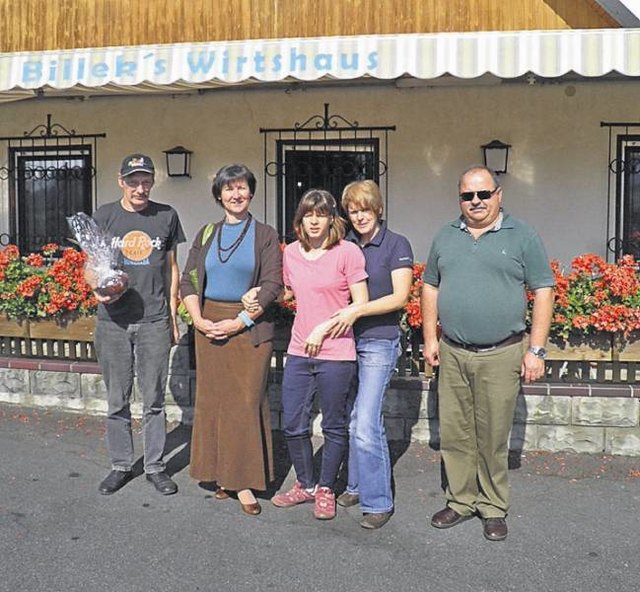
x: 496, y: 156
x: 178, y: 161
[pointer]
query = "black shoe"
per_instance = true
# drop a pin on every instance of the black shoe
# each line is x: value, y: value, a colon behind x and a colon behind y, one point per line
x: 163, y: 483
x: 113, y: 481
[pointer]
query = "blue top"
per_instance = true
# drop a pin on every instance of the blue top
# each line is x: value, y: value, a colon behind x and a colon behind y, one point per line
x: 481, y: 282
x: 386, y: 252
x: 227, y: 282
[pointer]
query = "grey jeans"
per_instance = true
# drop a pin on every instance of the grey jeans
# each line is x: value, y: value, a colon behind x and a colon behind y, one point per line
x: 120, y: 349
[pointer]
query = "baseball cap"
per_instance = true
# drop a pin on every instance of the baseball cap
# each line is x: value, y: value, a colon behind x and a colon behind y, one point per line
x: 137, y: 163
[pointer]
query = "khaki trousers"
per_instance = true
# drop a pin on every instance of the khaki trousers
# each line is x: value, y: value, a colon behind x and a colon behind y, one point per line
x: 477, y: 398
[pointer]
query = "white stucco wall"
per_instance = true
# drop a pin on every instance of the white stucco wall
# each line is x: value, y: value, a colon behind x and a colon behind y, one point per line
x: 557, y: 180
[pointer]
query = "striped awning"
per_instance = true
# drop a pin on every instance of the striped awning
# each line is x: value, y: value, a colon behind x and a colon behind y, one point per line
x: 550, y: 54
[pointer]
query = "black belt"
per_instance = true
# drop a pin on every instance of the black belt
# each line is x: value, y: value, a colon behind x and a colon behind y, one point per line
x: 484, y: 348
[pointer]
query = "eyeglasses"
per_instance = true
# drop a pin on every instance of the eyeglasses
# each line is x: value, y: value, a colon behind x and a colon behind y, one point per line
x: 134, y: 184
x: 484, y: 194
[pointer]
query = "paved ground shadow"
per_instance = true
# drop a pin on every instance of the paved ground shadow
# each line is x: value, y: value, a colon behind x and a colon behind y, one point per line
x: 177, y: 449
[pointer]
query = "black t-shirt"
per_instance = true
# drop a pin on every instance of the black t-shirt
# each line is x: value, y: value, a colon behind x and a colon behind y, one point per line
x: 144, y: 239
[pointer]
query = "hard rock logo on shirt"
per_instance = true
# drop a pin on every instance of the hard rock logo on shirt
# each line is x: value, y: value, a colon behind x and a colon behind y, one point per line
x: 136, y: 247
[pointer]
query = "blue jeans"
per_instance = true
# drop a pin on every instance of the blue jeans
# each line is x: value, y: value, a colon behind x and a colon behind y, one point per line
x: 146, y: 347
x: 332, y: 381
x: 369, y: 462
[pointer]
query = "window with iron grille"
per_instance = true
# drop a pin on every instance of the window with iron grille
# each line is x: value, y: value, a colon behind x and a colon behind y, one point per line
x: 51, y: 175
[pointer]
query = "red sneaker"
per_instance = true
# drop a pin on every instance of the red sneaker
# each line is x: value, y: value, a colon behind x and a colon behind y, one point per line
x: 296, y: 495
x: 325, y: 506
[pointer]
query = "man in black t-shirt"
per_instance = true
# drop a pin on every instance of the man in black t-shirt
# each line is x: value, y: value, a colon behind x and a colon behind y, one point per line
x: 136, y: 329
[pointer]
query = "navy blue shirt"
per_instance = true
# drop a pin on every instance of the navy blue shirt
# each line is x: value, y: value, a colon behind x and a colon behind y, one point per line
x: 386, y: 252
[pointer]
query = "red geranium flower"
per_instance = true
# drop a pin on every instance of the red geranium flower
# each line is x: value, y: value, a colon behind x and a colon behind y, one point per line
x: 35, y: 286
x: 596, y: 296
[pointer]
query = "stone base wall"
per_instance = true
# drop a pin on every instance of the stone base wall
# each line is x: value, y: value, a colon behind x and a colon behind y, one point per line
x: 552, y: 417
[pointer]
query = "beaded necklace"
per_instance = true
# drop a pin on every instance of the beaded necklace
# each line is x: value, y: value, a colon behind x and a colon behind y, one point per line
x: 225, y: 253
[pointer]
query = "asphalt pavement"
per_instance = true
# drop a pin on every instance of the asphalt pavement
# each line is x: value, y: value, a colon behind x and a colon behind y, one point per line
x: 574, y: 525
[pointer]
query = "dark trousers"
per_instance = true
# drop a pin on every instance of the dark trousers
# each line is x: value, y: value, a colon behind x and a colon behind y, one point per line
x: 144, y: 347
x: 331, y: 380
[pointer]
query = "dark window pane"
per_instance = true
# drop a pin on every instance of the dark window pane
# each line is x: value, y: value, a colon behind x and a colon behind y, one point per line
x: 50, y: 187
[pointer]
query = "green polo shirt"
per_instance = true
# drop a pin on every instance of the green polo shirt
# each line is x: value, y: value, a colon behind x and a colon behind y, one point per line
x: 481, y: 283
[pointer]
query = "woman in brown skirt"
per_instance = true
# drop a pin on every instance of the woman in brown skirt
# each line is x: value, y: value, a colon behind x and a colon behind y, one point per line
x: 231, y: 442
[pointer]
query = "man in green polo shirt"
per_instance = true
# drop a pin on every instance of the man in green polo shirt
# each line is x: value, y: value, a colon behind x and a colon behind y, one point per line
x: 477, y: 273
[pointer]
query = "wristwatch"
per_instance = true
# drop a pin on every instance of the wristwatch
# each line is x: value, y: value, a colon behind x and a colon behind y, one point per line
x: 538, y: 352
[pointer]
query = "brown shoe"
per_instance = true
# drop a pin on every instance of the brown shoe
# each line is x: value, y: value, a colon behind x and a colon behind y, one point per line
x: 251, y: 509
x: 495, y: 529
x: 447, y: 518
x: 221, y: 494
x: 346, y: 499
x: 375, y: 520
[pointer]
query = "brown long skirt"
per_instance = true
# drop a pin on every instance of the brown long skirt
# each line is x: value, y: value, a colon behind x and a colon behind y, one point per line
x: 231, y: 441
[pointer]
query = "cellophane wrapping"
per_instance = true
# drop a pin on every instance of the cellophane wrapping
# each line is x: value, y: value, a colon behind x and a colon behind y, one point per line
x: 102, y: 256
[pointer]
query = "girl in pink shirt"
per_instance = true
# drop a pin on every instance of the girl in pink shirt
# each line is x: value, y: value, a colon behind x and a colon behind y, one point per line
x: 325, y: 274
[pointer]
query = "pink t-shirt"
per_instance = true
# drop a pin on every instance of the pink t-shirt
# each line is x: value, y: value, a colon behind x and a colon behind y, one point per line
x: 321, y: 287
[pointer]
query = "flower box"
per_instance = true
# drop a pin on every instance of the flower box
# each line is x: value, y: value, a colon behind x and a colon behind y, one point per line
x: 593, y: 348
x: 61, y: 339
x: 627, y: 349
x: 9, y: 328
x: 80, y: 329
x: 46, y: 306
x: 598, y: 347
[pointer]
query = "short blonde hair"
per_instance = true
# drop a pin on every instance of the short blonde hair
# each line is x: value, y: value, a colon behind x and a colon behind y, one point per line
x: 323, y: 203
x: 363, y: 194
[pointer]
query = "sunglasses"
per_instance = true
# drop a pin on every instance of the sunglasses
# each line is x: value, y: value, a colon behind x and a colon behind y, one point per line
x: 484, y: 194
